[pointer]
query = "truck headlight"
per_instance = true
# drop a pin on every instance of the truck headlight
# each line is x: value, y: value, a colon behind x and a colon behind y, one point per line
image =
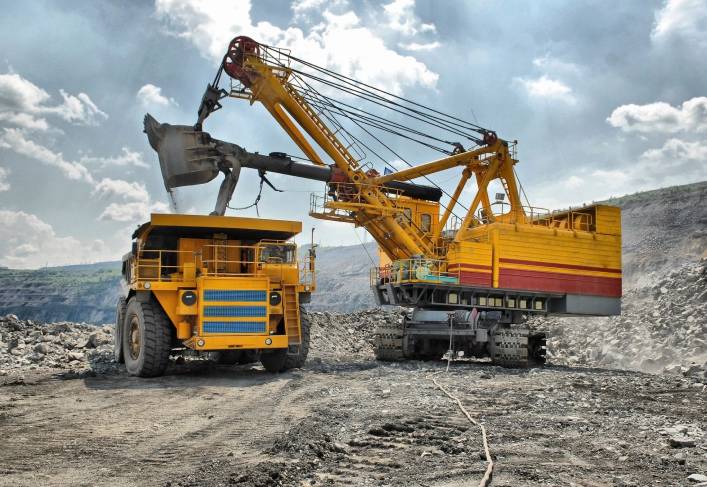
x: 188, y: 298
x: 275, y: 299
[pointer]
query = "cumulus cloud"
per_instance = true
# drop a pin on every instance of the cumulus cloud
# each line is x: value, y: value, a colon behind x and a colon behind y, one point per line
x: 401, y: 17
x: 338, y: 42
x: 545, y: 87
x: 662, y: 117
x: 126, y: 158
x: 131, y: 191
x: 132, y: 211
x: 150, y: 95
x: 17, y: 141
x: 26, y: 241
x: 24, y: 104
x: 685, y: 20
x: 4, y: 185
x: 680, y: 150
x: 676, y: 162
x: 136, y: 204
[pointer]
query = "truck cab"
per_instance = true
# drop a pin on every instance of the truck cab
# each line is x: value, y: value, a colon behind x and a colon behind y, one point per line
x: 231, y: 285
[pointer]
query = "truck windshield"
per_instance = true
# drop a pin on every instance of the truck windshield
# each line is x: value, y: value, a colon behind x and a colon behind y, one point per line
x: 277, y: 253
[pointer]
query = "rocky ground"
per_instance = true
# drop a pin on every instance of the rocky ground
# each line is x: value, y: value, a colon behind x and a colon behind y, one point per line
x: 70, y: 416
x: 662, y: 328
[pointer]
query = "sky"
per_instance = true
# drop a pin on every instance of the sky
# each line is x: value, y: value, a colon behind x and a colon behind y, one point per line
x: 604, y: 99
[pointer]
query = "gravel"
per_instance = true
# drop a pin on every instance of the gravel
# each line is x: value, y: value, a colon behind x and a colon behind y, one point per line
x: 662, y: 329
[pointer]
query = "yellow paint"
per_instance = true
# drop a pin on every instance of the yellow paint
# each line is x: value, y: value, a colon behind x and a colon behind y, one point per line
x: 588, y: 236
x: 219, y: 263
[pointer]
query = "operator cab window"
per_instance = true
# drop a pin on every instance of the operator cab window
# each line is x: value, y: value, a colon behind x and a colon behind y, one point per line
x: 277, y: 254
x: 425, y: 222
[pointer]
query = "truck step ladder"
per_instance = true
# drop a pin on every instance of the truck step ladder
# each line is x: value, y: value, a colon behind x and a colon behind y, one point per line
x: 292, y: 324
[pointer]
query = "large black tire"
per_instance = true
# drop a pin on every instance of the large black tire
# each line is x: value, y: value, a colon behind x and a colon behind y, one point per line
x: 274, y: 360
x: 279, y: 360
x: 147, y: 339
x: 120, y: 311
x: 297, y: 361
x: 248, y: 357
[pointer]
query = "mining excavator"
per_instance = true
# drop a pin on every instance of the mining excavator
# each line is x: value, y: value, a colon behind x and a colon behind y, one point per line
x: 471, y: 274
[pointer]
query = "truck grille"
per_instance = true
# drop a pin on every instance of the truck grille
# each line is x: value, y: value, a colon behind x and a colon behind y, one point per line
x: 234, y: 327
x: 226, y: 295
x: 235, y: 311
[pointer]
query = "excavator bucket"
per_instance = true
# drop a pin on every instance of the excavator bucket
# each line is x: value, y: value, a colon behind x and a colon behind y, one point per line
x: 185, y: 156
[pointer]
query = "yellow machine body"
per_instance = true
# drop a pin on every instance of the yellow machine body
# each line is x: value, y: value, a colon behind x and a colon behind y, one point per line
x: 223, y: 282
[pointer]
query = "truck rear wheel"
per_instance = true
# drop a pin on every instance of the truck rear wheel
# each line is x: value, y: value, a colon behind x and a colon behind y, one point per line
x: 120, y: 311
x: 295, y: 361
x: 274, y: 360
x: 147, y: 339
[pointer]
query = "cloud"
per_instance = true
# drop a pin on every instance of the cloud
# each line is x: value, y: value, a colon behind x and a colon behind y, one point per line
x: 676, y: 162
x: 401, y: 17
x: 26, y: 241
x: 136, y: 205
x: 132, y: 211
x: 124, y: 159
x: 16, y: 140
x: 547, y: 88
x: 661, y: 117
x: 414, y: 46
x: 685, y: 20
x: 151, y: 95
x: 552, y: 64
x: 676, y: 151
x: 338, y: 42
x: 23, y: 104
x: 4, y: 185
x: 130, y: 191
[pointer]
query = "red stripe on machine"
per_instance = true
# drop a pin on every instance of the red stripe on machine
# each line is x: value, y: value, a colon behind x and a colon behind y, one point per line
x: 475, y: 278
x: 560, y: 283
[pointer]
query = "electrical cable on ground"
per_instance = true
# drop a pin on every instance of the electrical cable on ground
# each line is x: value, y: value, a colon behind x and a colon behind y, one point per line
x: 488, y: 475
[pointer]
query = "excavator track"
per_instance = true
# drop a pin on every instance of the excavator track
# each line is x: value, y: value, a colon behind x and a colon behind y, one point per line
x: 518, y: 347
x: 388, y: 342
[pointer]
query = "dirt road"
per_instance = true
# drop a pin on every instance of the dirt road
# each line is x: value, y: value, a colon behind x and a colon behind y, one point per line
x: 360, y: 423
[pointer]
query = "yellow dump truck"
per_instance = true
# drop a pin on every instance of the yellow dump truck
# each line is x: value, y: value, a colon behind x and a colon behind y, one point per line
x: 229, y: 285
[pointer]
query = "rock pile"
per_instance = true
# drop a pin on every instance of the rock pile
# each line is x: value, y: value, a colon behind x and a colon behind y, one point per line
x: 662, y: 328
x: 340, y: 336
x: 26, y: 344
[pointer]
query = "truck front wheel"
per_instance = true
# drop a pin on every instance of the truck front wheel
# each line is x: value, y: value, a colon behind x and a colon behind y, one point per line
x: 280, y: 360
x: 147, y: 339
x: 118, y: 330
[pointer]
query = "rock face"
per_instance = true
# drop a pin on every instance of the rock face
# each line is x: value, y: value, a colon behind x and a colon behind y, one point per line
x: 662, y: 328
x: 26, y: 344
